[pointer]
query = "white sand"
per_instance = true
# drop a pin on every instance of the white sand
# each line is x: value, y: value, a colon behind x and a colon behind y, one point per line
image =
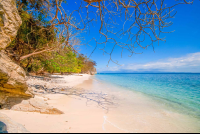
x: 77, y: 117
x: 135, y: 112
x: 63, y: 80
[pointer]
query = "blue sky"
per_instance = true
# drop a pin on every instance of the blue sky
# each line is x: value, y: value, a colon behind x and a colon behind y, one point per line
x: 180, y: 52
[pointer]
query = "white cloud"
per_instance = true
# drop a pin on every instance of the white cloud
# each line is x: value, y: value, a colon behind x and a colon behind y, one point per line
x: 188, y: 63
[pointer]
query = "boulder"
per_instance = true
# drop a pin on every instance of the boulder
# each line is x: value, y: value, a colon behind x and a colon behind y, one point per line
x: 36, y: 104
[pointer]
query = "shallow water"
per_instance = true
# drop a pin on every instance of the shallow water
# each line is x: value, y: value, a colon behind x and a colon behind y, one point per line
x: 153, y: 102
x: 180, y: 91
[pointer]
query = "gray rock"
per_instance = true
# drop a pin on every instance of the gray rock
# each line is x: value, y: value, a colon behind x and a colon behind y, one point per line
x: 11, y: 126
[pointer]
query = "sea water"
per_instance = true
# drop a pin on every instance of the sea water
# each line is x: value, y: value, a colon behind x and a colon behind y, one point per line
x: 177, y: 92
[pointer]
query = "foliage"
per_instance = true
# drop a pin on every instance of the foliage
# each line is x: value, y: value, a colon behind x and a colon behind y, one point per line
x: 36, y: 34
x: 46, y: 39
x: 38, y: 47
x: 66, y: 62
x: 32, y: 36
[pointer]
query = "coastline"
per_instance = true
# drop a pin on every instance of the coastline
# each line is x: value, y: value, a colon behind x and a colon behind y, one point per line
x: 138, y: 113
x: 76, y: 117
x: 128, y: 111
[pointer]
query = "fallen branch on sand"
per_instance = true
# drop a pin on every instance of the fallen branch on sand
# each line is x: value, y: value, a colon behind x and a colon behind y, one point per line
x: 101, y: 99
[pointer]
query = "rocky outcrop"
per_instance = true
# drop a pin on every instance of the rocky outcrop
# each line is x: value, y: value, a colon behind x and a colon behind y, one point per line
x: 14, y: 92
x: 12, y: 76
x: 13, y: 88
x: 93, y: 71
x: 10, y: 22
x: 36, y: 104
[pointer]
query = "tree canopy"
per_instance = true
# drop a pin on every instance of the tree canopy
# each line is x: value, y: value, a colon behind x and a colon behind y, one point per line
x: 49, y: 32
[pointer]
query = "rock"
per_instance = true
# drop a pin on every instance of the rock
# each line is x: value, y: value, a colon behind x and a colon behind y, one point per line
x: 10, y: 22
x: 12, y: 76
x: 13, y: 88
x: 93, y: 71
x: 11, y: 126
x: 37, y: 104
x: 14, y: 92
x: 12, y: 82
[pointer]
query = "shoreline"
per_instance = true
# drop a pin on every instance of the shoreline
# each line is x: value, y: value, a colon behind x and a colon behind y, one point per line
x: 138, y: 112
x: 76, y: 117
x: 86, y: 111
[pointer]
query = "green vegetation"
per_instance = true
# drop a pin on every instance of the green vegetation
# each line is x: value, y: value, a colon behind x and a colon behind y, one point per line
x: 51, y: 29
x: 41, y: 47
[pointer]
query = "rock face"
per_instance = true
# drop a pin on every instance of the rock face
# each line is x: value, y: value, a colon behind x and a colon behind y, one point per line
x: 93, y: 71
x: 13, y: 87
x: 14, y: 92
x: 10, y: 22
x: 12, y: 77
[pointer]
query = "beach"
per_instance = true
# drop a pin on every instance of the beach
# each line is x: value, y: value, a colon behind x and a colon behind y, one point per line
x: 76, y: 117
x: 99, y: 66
x: 94, y: 106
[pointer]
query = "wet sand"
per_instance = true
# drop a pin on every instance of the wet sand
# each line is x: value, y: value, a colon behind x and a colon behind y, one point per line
x: 138, y: 113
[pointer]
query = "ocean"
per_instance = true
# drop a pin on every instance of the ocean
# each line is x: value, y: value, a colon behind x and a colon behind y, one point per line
x: 179, y: 93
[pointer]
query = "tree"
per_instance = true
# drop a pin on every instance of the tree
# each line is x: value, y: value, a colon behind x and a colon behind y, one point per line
x: 142, y: 20
x: 86, y: 65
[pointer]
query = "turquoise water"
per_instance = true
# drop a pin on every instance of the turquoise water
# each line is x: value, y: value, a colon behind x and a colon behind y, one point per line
x: 180, y: 92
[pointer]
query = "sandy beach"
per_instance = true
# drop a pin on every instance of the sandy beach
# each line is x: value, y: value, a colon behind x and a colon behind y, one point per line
x: 89, y: 111
x: 77, y: 117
